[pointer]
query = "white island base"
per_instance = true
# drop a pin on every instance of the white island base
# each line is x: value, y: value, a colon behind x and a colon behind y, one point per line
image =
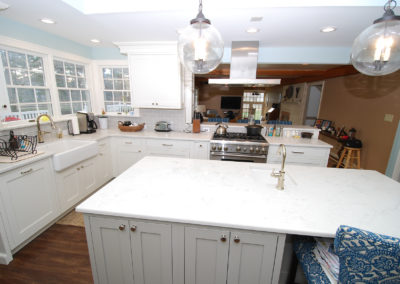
x: 169, y: 220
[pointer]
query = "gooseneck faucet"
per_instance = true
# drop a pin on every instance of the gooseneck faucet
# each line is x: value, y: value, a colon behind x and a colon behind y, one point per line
x: 281, y: 174
x: 42, y: 132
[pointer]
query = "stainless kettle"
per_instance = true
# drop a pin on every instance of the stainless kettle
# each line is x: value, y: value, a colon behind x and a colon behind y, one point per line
x: 221, y: 130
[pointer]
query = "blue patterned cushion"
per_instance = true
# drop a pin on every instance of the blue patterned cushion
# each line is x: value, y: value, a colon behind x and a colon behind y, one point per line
x: 303, y: 247
x: 366, y: 257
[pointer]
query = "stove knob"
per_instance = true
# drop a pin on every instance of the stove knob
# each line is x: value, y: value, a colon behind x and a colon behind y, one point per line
x: 213, y: 147
x: 257, y: 150
x: 219, y: 148
x: 244, y: 149
x: 251, y: 149
x: 263, y: 150
x: 238, y: 149
x: 225, y: 148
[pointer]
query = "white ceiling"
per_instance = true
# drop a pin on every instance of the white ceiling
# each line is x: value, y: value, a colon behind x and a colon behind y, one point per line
x: 288, y: 26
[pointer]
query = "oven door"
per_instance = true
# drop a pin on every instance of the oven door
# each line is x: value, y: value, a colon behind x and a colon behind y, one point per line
x: 238, y: 157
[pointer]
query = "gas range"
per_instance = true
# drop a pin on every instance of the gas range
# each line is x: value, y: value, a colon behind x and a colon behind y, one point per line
x: 239, y: 147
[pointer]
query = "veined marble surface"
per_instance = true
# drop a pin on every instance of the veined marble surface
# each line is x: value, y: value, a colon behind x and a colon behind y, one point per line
x: 315, y: 201
x: 301, y: 142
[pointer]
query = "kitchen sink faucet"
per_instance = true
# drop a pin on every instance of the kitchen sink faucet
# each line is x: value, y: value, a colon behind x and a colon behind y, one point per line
x: 281, y: 174
x: 42, y: 132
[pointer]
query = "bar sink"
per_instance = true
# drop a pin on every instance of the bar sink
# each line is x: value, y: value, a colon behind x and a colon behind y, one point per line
x: 70, y: 152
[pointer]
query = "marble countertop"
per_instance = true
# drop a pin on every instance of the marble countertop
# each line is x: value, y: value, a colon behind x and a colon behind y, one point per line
x: 303, y: 142
x: 315, y: 201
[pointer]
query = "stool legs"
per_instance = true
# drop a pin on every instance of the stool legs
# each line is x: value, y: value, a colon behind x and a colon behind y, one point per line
x: 350, y: 154
x: 348, y: 158
x: 358, y: 159
x: 341, y: 158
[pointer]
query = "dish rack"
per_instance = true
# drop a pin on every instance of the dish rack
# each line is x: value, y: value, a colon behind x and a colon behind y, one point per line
x: 21, y: 145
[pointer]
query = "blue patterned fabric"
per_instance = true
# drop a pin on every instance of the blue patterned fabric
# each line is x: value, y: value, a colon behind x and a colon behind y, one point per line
x: 366, y: 257
x: 303, y: 247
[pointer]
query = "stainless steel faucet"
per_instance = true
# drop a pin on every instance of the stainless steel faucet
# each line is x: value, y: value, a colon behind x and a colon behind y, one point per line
x: 42, y: 132
x: 281, y: 174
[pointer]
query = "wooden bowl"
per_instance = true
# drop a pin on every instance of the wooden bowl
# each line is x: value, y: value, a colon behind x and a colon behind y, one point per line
x: 130, y: 128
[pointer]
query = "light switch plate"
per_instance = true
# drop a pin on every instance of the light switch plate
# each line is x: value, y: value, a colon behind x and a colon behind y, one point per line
x: 388, y: 117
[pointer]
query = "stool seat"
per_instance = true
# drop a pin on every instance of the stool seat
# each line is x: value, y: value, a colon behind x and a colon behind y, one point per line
x: 349, y: 154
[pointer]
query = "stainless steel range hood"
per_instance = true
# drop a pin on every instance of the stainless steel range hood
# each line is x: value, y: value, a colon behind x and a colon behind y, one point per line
x: 244, y: 57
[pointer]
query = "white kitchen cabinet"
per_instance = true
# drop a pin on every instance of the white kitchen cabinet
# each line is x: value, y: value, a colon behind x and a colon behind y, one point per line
x: 75, y: 183
x: 168, y: 148
x: 251, y: 256
x: 28, y: 200
x: 200, y: 150
x: 155, y: 73
x: 131, y: 251
x: 300, y: 155
x: 104, y: 170
x: 128, y: 152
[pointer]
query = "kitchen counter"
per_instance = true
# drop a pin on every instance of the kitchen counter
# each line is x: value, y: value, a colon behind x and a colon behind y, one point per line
x: 243, y: 196
x: 303, y: 142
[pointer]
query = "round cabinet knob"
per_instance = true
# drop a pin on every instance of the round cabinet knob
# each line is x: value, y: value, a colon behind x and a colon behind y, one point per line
x: 225, y: 148
x: 257, y: 150
x: 213, y: 147
x: 238, y: 149
x: 219, y: 148
x: 133, y: 228
x: 251, y: 149
x: 223, y: 238
x: 236, y: 239
x: 121, y: 227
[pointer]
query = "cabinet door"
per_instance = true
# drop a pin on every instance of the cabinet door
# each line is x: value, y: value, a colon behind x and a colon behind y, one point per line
x: 111, y: 249
x: 103, y: 164
x: 151, y: 252
x: 29, y: 199
x: 129, y: 152
x: 68, y: 187
x: 251, y: 258
x: 206, y: 256
x: 200, y: 150
x: 87, y: 177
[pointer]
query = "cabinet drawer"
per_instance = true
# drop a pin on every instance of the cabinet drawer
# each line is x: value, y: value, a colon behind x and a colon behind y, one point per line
x: 300, y: 155
x: 131, y: 143
x: 168, y: 145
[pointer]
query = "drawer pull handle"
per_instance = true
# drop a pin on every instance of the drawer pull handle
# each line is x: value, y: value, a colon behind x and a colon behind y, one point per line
x: 82, y: 167
x: 133, y: 228
x: 296, y: 152
x: 121, y: 227
x: 101, y: 145
x: 128, y: 142
x: 236, y: 239
x: 168, y: 145
x: 140, y: 151
x: 78, y: 169
x: 101, y: 154
x: 223, y: 238
x: 27, y: 172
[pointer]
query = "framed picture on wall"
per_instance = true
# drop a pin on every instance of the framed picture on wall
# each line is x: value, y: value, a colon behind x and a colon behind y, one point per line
x: 318, y: 123
x: 326, y: 124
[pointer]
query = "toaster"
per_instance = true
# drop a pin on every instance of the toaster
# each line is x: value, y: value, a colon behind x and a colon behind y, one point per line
x: 162, y: 126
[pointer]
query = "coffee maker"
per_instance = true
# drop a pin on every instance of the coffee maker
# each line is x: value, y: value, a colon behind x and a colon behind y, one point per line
x: 86, y: 122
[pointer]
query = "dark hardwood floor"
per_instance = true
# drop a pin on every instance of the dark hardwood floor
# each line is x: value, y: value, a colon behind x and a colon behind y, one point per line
x: 59, y: 255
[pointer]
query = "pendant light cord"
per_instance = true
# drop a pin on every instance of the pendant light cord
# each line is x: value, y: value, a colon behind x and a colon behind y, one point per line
x: 200, y: 6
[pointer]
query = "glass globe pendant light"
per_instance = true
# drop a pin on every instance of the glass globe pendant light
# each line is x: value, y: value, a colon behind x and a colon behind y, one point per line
x: 200, y: 45
x: 376, y: 51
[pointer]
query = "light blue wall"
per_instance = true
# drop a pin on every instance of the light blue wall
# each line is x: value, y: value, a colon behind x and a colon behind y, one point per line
x: 394, y: 153
x: 27, y: 33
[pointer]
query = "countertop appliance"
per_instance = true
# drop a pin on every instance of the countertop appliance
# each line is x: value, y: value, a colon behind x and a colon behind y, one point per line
x: 240, y: 147
x: 162, y: 126
x: 86, y: 122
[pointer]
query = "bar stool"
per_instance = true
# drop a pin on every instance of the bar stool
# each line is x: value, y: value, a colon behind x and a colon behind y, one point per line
x: 350, y: 154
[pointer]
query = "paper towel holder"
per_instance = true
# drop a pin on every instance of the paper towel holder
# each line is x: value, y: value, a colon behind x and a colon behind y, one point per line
x: 73, y: 128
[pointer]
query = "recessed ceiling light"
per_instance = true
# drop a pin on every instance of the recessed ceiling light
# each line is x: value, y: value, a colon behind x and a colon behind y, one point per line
x: 94, y: 40
x: 47, y: 21
x: 256, y: 19
x: 328, y: 29
x: 252, y: 30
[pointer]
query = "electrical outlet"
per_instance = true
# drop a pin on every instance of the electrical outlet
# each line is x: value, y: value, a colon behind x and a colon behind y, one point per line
x: 388, y: 117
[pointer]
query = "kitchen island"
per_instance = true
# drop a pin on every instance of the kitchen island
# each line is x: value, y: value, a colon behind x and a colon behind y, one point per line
x: 175, y: 220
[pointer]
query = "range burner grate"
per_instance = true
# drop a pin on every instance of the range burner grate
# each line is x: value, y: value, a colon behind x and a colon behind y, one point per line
x: 238, y: 136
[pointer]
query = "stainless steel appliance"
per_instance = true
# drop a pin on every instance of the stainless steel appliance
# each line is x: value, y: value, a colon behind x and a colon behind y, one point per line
x: 86, y: 122
x: 162, y: 126
x: 239, y: 147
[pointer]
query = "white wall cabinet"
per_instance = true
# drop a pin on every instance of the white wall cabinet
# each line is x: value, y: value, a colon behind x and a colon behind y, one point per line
x: 155, y: 71
x: 29, y: 200
x: 131, y: 251
x: 75, y: 183
x: 104, y: 170
x: 168, y: 148
x: 251, y: 256
x: 128, y: 151
x: 298, y: 155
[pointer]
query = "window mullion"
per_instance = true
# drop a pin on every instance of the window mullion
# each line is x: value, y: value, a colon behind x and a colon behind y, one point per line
x: 48, y: 60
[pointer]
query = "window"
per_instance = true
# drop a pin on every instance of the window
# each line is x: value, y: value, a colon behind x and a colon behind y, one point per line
x: 253, y: 102
x: 117, y: 95
x: 72, y: 87
x: 28, y: 94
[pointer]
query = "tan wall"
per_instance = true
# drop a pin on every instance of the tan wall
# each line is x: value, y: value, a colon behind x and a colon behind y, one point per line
x: 361, y: 102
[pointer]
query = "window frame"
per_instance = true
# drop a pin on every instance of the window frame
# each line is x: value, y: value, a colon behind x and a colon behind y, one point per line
x: 253, y: 103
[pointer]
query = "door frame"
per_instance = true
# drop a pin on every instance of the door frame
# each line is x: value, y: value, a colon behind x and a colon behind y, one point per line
x: 393, y: 167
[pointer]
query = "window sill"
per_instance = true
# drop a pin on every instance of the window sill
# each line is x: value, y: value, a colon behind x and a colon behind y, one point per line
x: 28, y: 123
